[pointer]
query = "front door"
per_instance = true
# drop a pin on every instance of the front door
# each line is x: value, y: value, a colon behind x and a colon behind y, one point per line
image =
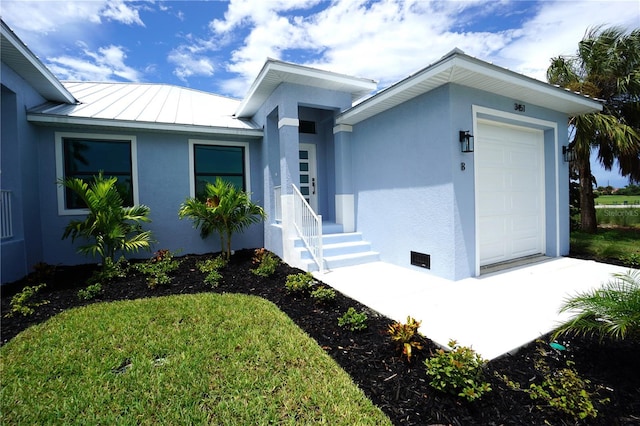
x: 308, y: 174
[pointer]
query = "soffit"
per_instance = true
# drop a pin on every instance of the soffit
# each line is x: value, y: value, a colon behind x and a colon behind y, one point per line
x: 276, y: 72
x: 464, y: 70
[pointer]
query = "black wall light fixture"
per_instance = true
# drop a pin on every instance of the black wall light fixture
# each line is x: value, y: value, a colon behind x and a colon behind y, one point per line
x: 466, y: 141
x: 568, y: 154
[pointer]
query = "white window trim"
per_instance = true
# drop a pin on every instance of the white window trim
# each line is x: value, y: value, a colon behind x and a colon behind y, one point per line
x: 524, y: 121
x: 59, y: 136
x: 192, y: 165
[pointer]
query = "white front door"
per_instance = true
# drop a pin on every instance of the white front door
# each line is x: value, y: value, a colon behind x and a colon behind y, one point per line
x: 510, y: 192
x: 308, y: 174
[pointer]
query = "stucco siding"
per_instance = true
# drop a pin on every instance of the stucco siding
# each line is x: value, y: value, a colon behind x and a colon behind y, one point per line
x: 163, y: 184
x: 403, y: 181
x: 20, y: 175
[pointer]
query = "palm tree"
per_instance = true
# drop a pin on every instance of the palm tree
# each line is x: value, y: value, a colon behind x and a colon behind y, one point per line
x: 610, y: 311
x: 607, y: 67
x: 226, y: 211
x: 109, y: 225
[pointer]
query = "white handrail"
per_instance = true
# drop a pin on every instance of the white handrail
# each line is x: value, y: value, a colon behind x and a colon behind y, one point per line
x: 6, y: 221
x: 308, y: 224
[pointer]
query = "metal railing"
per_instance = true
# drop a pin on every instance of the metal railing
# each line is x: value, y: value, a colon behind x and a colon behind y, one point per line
x: 6, y: 222
x: 277, y: 196
x: 308, y: 224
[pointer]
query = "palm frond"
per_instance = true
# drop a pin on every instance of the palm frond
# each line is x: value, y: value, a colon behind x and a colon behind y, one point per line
x: 610, y: 311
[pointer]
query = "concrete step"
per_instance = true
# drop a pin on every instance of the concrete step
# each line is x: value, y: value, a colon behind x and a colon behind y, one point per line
x: 339, y: 250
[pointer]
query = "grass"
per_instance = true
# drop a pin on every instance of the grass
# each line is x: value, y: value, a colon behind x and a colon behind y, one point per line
x: 617, y: 199
x: 189, y: 359
x: 626, y: 217
x: 609, y: 243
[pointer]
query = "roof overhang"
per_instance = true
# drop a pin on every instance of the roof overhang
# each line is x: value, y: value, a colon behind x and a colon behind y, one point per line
x: 459, y: 68
x: 22, y: 60
x: 276, y: 72
x: 57, y: 120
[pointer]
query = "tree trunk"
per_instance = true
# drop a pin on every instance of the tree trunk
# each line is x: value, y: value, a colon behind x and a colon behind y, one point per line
x: 588, y: 221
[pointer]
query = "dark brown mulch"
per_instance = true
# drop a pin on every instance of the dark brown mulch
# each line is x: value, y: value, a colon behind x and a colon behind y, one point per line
x: 398, y: 388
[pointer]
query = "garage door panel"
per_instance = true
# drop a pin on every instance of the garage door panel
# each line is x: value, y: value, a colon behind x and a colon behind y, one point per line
x: 510, y: 189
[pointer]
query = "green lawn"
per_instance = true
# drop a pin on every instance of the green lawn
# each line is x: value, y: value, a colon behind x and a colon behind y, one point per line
x: 608, y: 243
x: 617, y: 199
x: 191, y: 359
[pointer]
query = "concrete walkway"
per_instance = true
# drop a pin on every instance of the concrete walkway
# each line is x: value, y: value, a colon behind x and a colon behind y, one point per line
x: 494, y: 314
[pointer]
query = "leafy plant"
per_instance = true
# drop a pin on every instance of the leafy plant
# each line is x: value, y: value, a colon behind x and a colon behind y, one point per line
x: 212, y: 267
x: 299, y: 283
x: 561, y: 388
x: 458, y: 371
x: 109, y: 226
x: 353, y: 320
x: 90, y: 291
x: 404, y: 336
x: 22, y: 302
x: 610, y: 311
x: 323, y: 294
x: 226, y: 211
x: 267, y: 263
x: 158, y: 267
x: 109, y: 271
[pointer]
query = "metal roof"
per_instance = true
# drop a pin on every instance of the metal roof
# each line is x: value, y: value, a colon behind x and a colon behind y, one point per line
x: 20, y: 58
x: 459, y: 68
x: 275, y: 72
x: 146, y: 106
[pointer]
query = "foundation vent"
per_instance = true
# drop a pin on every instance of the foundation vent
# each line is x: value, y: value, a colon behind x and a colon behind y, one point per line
x: 420, y: 259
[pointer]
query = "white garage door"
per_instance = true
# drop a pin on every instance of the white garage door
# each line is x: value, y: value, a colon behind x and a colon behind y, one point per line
x: 510, y: 198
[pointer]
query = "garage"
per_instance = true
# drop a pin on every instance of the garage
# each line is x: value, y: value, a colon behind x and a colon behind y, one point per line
x: 509, y: 192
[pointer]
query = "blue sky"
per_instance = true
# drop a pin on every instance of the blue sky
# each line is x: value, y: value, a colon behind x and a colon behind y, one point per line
x: 220, y: 46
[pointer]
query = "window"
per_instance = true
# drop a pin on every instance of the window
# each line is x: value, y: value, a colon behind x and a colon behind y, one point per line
x: 84, y: 156
x: 228, y: 161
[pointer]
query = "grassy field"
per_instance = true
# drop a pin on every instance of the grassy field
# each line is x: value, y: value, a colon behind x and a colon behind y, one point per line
x: 192, y: 359
x: 617, y: 199
x: 609, y: 243
x: 623, y: 217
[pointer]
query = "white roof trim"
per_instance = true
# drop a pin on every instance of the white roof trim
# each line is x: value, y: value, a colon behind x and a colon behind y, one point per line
x: 464, y: 70
x: 276, y: 72
x: 138, y: 125
x: 22, y: 60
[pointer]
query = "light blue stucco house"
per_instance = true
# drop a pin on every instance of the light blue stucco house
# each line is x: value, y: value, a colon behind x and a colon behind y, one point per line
x: 345, y: 173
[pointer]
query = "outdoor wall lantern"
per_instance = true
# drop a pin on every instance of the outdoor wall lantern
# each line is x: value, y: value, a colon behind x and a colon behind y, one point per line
x: 466, y: 141
x: 569, y: 154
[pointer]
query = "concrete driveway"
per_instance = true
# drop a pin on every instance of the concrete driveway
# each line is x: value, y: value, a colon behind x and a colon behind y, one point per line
x: 494, y: 314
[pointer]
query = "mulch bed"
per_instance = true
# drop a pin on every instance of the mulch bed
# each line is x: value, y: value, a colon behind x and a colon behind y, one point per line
x: 400, y: 389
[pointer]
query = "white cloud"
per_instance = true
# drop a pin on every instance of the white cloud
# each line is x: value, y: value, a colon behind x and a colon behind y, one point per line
x: 107, y: 64
x: 118, y: 10
x: 389, y: 39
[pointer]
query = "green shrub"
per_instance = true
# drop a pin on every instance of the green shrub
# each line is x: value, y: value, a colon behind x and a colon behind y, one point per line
x: 267, y: 263
x: 610, y: 311
x: 353, y: 320
x: 90, y: 291
x: 323, y: 294
x: 566, y: 391
x: 299, y: 283
x: 560, y: 388
x: 22, y: 302
x: 458, y: 372
x: 158, y: 267
x: 109, y: 271
x: 212, y: 267
x: 404, y: 336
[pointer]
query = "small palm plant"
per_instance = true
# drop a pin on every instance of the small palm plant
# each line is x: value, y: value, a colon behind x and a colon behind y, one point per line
x: 226, y: 211
x: 110, y: 227
x: 611, y: 311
